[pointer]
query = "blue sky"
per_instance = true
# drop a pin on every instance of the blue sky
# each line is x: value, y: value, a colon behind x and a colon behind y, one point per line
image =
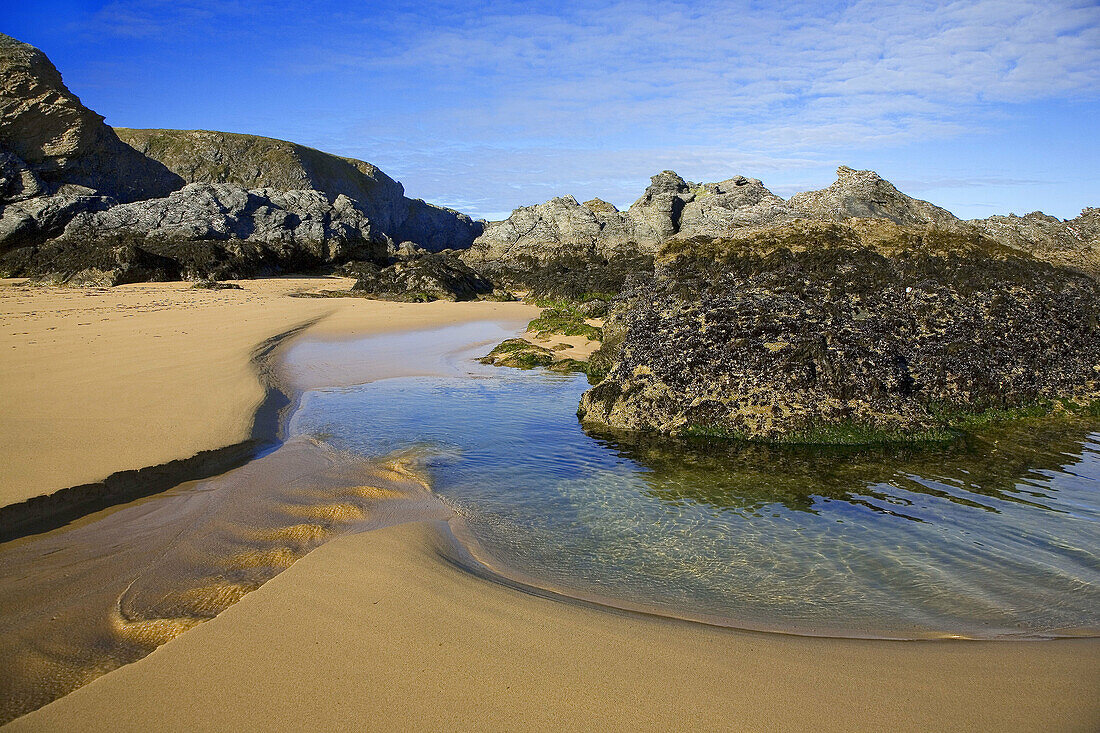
x: 982, y: 106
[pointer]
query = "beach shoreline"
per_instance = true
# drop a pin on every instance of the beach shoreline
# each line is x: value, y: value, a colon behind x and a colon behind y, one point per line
x: 384, y: 629
x: 175, y: 384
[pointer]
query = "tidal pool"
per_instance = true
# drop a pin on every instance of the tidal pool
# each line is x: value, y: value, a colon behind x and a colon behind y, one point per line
x: 997, y: 536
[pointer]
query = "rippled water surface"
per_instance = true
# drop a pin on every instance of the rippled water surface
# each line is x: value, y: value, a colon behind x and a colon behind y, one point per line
x: 996, y: 537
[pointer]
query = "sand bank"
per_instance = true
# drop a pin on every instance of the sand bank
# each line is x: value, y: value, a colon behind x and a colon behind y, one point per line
x: 380, y: 630
x: 377, y: 631
x: 96, y: 381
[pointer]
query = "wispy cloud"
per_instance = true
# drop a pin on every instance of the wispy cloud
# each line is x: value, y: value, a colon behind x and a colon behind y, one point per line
x: 494, y: 104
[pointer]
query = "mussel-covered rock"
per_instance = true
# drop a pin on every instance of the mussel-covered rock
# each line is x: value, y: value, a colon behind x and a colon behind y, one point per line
x: 862, y: 331
x: 426, y: 278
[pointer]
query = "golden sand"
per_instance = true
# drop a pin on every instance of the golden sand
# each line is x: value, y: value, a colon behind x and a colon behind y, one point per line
x: 94, y: 381
x: 379, y: 630
x: 375, y: 631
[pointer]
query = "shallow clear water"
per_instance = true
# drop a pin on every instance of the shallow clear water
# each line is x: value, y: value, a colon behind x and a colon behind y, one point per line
x: 996, y: 537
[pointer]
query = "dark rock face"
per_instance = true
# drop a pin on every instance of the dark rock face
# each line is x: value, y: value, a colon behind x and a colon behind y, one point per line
x: 51, y: 139
x: 434, y: 228
x: 787, y: 332
x: 108, y: 264
x: 426, y: 278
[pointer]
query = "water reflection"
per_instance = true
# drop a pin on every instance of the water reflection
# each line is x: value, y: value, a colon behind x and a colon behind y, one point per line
x: 1006, y: 463
x: 995, y: 536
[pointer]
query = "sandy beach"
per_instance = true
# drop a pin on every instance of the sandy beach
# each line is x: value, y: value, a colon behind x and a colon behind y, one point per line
x: 95, y: 381
x: 381, y: 630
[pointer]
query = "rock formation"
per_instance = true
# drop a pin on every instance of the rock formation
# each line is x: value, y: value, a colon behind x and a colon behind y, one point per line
x: 864, y: 194
x: 75, y: 197
x: 212, y: 231
x: 843, y: 332
x: 254, y: 162
x: 1074, y: 243
x: 549, y: 246
x: 50, y: 141
x: 421, y: 279
x: 562, y: 247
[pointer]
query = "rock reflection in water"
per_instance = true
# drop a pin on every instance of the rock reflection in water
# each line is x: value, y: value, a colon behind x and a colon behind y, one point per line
x: 1006, y: 463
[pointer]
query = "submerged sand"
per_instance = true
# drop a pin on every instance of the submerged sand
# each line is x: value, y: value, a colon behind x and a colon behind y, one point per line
x: 377, y: 631
x: 381, y: 630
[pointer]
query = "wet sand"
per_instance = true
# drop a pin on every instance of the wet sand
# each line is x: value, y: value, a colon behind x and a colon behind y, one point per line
x: 95, y: 381
x: 382, y: 630
x: 379, y: 631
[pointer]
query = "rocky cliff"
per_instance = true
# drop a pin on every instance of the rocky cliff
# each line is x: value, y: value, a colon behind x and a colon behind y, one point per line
x: 1073, y: 243
x: 51, y: 143
x: 75, y: 197
x: 254, y: 162
x: 854, y: 331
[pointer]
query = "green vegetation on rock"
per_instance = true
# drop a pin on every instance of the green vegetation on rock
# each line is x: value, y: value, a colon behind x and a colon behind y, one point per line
x: 565, y: 323
x: 520, y: 354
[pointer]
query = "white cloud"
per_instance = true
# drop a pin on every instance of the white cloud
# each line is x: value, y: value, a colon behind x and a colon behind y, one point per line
x: 513, y: 104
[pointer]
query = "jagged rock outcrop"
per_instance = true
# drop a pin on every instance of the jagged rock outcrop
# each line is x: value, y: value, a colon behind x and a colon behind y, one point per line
x: 852, y: 332
x: 421, y: 279
x: 562, y: 227
x: 716, y: 209
x: 219, y: 211
x: 1073, y: 243
x: 660, y: 206
x: 562, y: 247
x: 213, y: 231
x: 864, y: 194
x: 50, y: 139
x: 26, y: 222
x: 255, y: 162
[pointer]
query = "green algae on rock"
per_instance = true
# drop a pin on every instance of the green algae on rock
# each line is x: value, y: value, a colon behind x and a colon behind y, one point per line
x: 520, y: 354
x: 856, y: 332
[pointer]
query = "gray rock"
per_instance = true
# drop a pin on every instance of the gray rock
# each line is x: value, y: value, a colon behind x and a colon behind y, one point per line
x: 566, y: 240
x: 662, y: 203
x: 719, y: 209
x: 26, y: 222
x: 561, y: 227
x: 563, y: 248
x: 222, y: 212
x: 863, y: 194
x: 208, y: 230
x: 1074, y: 243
